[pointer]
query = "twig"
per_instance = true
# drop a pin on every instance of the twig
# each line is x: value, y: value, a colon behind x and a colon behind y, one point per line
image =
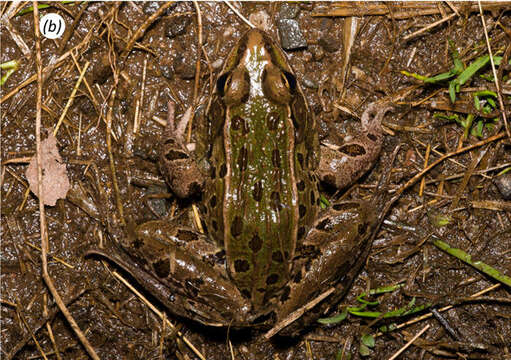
x: 71, y: 99
x: 245, y: 20
x: 159, y: 313
x: 495, y: 77
x: 410, y: 342
x: 197, y: 63
x: 47, y: 69
x: 42, y: 217
x: 142, y: 28
x: 12, y: 30
x: 446, y: 156
x: 22, y: 317
x: 429, y: 27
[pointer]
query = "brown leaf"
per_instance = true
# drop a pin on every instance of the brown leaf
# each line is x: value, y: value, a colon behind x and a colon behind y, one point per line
x: 55, y: 180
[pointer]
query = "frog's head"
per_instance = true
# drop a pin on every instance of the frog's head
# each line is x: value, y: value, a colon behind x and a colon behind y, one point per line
x: 256, y: 67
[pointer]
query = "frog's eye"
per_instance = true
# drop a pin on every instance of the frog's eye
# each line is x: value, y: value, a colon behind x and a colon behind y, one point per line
x: 234, y: 87
x: 290, y: 80
x: 222, y: 83
x: 278, y: 85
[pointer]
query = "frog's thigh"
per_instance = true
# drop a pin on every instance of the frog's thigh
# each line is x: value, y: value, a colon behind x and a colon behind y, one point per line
x: 185, y: 278
x: 173, y: 232
x: 331, y: 256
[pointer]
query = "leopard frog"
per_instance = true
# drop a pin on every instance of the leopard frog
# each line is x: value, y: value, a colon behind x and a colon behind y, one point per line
x: 270, y: 251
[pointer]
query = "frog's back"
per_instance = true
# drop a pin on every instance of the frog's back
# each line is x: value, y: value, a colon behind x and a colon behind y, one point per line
x: 262, y: 190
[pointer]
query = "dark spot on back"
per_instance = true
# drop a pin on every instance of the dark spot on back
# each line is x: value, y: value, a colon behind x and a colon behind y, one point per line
x: 186, y: 235
x: 272, y: 279
x: 245, y: 293
x: 300, y: 185
x: 299, y: 157
x: 212, y: 172
x: 237, y: 122
x: 241, y: 265
x: 162, y: 268
x: 215, y: 225
x: 345, y: 206
x: 302, y: 210
x: 172, y: 155
x: 301, y: 232
x: 255, y: 244
x: 352, y: 150
x: 330, y: 179
x: 257, y: 191
x: 212, y: 201
x: 362, y: 228
x: 194, y: 188
x: 275, y: 158
x: 275, y: 200
x: 285, y: 293
x: 298, y: 277
x: 323, y: 224
x: 137, y: 243
x: 169, y: 141
x: 277, y: 256
x: 223, y: 170
x: 236, y: 226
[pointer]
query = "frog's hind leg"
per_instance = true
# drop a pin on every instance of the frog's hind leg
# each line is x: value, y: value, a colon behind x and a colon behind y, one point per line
x: 180, y: 268
x: 330, y: 258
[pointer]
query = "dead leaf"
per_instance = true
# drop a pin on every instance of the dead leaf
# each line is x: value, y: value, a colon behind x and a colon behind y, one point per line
x: 55, y: 180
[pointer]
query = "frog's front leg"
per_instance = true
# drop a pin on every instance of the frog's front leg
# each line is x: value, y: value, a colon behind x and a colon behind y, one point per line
x: 342, y: 165
x: 181, y: 269
x: 176, y: 162
x: 326, y: 263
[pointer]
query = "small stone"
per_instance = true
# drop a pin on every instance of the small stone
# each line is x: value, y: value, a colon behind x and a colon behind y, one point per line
x: 291, y: 37
x: 184, y: 68
x: 317, y: 52
x: 151, y: 7
x: 177, y: 26
x: 309, y: 83
x: 503, y: 183
x: 217, y: 64
x: 261, y: 20
x: 289, y: 11
x: 329, y: 43
x: 101, y: 69
x: 166, y: 68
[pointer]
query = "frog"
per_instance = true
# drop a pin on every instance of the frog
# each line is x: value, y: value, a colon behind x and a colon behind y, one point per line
x: 270, y: 256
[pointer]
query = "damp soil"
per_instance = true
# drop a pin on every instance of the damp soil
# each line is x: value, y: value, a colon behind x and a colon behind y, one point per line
x: 128, y: 84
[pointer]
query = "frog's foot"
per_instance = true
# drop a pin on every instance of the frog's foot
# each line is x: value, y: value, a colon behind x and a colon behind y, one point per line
x: 330, y: 258
x: 342, y: 165
x: 176, y: 163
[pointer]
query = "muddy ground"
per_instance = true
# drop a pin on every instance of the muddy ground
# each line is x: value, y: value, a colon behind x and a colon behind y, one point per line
x: 138, y: 63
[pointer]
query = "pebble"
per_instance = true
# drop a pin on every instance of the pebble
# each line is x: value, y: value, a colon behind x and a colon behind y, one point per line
x: 177, y: 26
x: 503, y: 183
x: 289, y: 11
x: 329, y: 43
x: 261, y: 20
x: 291, y: 37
